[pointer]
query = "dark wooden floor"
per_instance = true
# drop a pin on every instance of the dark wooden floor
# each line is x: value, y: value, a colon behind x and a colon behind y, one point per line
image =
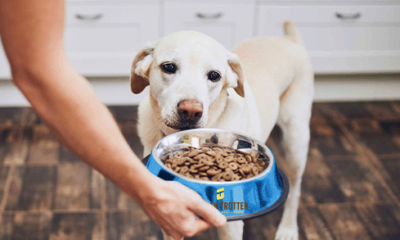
x: 351, y: 186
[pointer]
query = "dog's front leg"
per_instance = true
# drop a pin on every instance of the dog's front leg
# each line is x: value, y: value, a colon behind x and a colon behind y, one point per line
x: 231, y: 231
x: 296, y: 136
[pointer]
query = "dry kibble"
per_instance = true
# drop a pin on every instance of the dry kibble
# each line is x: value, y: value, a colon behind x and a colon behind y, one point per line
x: 225, y: 154
x: 246, y: 169
x: 193, y: 153
x: 202, y: 169
x: 213, y: 172
x: 219, y: 158
x: 208, y: 163
x: 214, y: 164
x: 178, y: 154
x: 235, y: 177
x: 254, y: 170
x: 193, y: 161
x: 206, y: 150
x: 201, y: 156
x: 233, y: 166
x: 184, y: 169
x: 241, y: 160
x: 223, y: 165
x: 229, y: 159
x: 249, y: 158
x: 181, y: 161
x: 218, y: 177
x: 212, y: 153
x: 198, y: 166
x: 187, y: 174
x: 227, y: 176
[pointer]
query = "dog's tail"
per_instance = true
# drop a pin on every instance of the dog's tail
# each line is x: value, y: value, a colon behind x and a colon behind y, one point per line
x: 291, y: 32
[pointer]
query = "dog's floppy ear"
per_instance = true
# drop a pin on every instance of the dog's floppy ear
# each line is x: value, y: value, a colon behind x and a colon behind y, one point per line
x: 141, y: 68
x: 235, y: 74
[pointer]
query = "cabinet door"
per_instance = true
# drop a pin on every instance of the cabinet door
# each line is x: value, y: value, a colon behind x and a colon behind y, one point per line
x: 102, y: 39
x: 4, y: 66
x: 341, y: 39
x: 227, y: 23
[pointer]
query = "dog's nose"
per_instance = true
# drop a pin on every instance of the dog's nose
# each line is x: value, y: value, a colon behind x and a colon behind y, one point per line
x: 190, y: 110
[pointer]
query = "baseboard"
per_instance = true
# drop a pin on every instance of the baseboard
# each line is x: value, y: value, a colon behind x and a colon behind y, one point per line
x: 116, y: 91
x: 111, y: 91
x: 368, y: 87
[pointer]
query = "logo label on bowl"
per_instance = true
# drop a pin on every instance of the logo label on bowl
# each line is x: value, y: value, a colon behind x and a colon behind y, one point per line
x: 237, y: 207
x: 220, y: 193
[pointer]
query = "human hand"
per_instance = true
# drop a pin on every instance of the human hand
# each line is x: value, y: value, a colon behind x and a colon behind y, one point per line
x: 173, y: 207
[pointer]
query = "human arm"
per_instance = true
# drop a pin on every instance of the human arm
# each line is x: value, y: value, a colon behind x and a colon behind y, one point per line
x: 32, y: 36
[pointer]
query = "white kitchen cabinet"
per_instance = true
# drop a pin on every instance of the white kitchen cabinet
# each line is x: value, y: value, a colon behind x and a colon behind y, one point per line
x: 103, y: 36
x: 228, y: 23
x: 341, y: 38
x: 101, y: 39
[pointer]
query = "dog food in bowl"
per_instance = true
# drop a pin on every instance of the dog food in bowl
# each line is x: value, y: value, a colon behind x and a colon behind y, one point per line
x: 214, y: 164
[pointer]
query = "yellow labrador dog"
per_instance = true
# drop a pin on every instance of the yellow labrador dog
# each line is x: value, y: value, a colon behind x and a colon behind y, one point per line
x: 195, y: 82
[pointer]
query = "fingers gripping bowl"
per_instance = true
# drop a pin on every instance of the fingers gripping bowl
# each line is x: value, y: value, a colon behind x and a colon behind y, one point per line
x: 237, y: 200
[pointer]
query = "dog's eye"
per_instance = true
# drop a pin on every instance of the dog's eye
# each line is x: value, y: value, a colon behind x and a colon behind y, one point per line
x: 169, y: 68
x: 213, y: 76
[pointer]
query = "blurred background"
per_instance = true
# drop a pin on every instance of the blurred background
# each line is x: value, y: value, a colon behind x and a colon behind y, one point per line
x: 351, y: 186
x: 354, y: 45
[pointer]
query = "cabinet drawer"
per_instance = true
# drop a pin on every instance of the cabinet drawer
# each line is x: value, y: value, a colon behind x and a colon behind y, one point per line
x: 113, y: 1
x: 88, y: 14
x: 227, y: 23
x: 335, y: 14
x: 107, y: 45
x: 341, y: 39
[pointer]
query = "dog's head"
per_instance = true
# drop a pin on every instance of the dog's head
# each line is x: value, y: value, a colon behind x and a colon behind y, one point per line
x: 186, y: 71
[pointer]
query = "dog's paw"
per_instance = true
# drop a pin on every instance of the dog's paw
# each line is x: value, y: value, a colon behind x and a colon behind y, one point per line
x: 287, y: 233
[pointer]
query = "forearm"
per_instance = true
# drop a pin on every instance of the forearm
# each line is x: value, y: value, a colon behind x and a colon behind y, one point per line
x: 32, y: 35
x: 69, y: 106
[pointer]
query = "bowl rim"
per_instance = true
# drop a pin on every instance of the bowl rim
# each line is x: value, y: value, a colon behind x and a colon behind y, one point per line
x: 269, y: 153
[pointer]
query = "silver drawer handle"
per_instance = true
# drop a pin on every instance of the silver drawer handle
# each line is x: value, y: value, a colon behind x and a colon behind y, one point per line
x: 348, y: 16
x: 89, y: 17
x: 209, y: 16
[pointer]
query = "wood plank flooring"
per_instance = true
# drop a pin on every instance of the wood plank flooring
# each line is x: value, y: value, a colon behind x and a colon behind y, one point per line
x: 350, y: 189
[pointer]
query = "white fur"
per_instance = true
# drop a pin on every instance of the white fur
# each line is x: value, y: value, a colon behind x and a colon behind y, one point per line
x: 278, y: 88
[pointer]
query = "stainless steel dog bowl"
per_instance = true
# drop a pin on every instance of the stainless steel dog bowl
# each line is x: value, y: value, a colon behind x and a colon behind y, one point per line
x: 237, y: 200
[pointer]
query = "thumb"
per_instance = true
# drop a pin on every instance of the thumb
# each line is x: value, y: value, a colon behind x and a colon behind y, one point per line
x: 208, y: 212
